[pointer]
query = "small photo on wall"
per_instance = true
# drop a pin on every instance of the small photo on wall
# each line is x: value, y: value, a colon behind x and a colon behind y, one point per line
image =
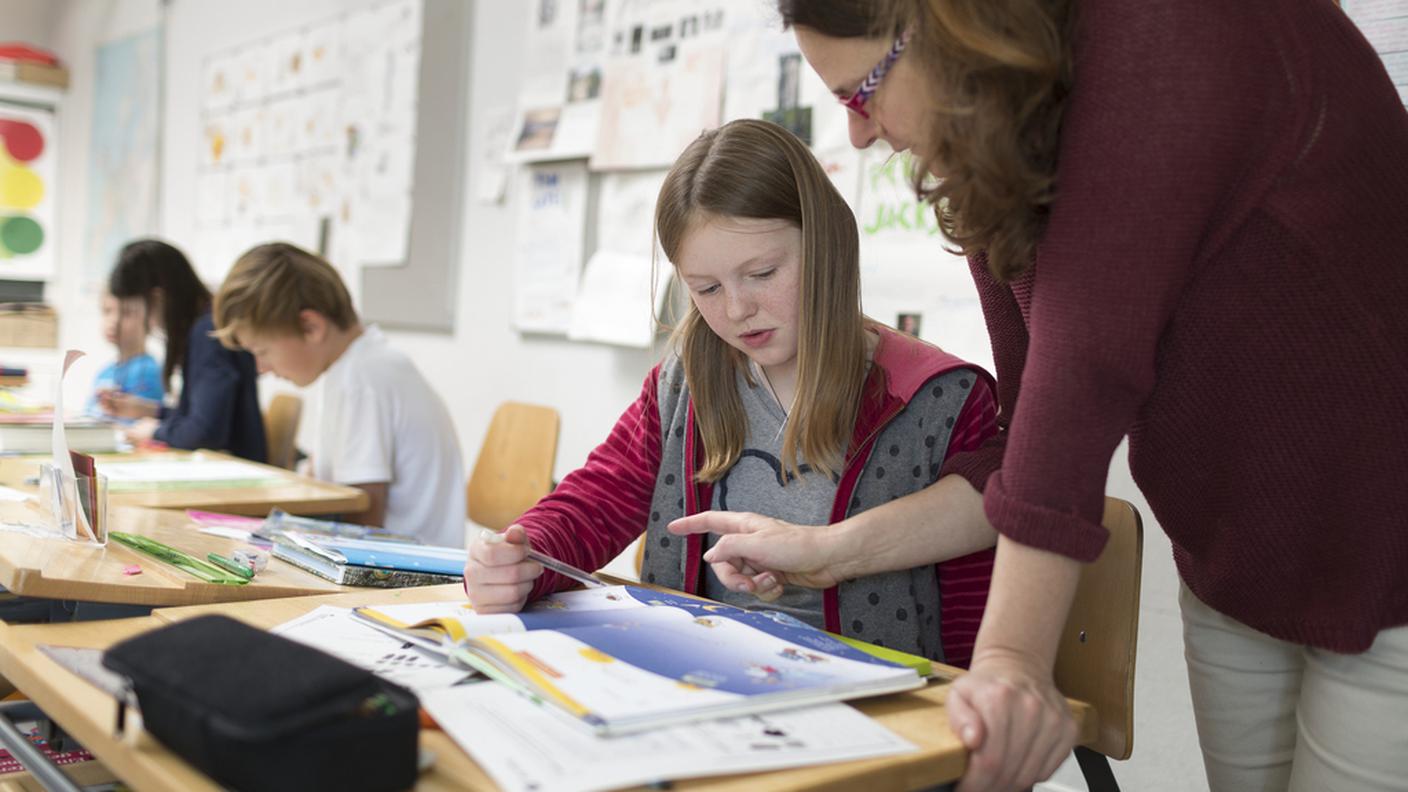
x: 539, y: 126
x: 908, y: 323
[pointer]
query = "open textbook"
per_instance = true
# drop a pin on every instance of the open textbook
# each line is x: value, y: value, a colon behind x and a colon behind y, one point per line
x: 623, y: 659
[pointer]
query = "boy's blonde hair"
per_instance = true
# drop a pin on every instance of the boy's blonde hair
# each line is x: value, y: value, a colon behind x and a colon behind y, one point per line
x: 270, y: 285
x: 756, y: 169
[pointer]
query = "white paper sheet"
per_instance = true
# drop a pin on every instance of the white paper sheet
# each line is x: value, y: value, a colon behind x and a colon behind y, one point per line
x: 615, y: 304
x: 524, y: 746
x: 559, y: 99
x: 547, y: 260
x: 339, y: 633
x: 194, y: 469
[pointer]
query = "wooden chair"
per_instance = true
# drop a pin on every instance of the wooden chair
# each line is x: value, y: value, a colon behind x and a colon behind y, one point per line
x: 1095, y: 662
x: 281, y: 428
x: 514, y: 468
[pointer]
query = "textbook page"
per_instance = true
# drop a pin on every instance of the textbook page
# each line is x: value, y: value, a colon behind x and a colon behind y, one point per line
x: 624, y: 658
x: 525, y: 747
x: 337, y: 632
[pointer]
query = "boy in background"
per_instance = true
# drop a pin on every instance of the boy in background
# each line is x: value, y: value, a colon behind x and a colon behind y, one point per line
x: 135, y: 373
x: 380, y: 426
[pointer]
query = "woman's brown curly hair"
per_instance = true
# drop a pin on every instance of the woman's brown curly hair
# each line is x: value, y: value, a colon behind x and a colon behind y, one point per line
x: 1000, y: 73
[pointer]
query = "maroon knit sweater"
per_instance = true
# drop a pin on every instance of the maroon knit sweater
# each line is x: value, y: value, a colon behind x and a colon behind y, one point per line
x: 1224, y: 278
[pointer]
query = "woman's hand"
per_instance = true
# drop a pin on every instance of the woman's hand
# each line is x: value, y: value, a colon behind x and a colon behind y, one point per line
x: 142, y: 431
x: 125, y: 405
x: 759, y: 555
x: 1015, y: 724
x: 498, y: 574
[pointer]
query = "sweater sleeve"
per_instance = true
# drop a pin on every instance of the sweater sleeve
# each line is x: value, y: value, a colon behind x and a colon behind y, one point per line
x: 976, y: 461
x: 1180, y: 112
x: 211, y: 380
x: 598, y: 509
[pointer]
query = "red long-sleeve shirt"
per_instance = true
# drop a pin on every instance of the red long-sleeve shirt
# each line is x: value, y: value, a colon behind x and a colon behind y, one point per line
x: 1224, y: 278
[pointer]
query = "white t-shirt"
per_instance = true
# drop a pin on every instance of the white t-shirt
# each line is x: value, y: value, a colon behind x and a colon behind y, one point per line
x: 379, y: 421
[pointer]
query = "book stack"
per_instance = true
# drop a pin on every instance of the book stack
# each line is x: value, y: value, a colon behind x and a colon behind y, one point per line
x: 24, y: 64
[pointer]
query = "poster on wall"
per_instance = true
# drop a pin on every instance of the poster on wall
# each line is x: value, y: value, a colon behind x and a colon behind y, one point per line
x: 310, y: 135
x: 908, y: 279
x: 547, y: 259
x: 559, y: 100
x: 28, y: 173
x: 662, y: 83
x: 122, y: 151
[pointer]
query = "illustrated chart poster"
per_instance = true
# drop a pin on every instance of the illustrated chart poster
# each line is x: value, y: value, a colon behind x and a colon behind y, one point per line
x: 28, y: 153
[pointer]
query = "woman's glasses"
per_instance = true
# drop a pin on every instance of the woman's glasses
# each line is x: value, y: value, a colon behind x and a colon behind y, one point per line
x: 857, y: 101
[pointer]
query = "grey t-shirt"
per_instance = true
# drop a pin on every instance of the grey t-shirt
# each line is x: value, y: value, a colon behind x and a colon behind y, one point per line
x: 755, y: 484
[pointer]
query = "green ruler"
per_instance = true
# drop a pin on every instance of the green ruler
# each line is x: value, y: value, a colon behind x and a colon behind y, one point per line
x: 181, y: 560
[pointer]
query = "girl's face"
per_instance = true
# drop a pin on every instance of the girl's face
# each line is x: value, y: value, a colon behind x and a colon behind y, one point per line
x: 125, y: 322
x: 896, y: 109
x: 744, y: 277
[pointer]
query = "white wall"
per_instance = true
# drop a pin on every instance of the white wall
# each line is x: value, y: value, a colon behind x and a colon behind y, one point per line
x: 485, y: 362
x: 28, y: 21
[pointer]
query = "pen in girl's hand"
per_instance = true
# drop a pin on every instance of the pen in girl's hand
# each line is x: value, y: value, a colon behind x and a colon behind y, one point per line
x: 561, y: 567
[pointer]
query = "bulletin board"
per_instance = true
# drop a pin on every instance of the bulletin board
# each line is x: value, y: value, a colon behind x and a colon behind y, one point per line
x: 614, y: 90
x: 318, y: 135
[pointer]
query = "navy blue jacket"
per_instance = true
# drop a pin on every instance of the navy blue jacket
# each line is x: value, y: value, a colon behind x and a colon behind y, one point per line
x: 219, y: 406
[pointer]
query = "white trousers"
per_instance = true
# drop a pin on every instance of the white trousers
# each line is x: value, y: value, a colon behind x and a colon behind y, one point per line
x: 1275, y: 716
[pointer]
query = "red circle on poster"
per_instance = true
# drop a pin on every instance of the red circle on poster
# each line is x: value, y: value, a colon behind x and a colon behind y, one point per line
x: 22, y: 139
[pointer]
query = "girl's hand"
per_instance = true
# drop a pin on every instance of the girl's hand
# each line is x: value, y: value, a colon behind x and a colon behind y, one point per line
x: 1013, y: 720
x: 760, y: 555
x: 142, y: 431
x: 125, y: 405
x: 498, y: 574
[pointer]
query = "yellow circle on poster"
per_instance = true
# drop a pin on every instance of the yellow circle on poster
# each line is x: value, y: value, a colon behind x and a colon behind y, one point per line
x: 20, y: 188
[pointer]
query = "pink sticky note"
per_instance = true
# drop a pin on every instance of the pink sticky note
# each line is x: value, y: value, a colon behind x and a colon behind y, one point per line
x: 131, y: 569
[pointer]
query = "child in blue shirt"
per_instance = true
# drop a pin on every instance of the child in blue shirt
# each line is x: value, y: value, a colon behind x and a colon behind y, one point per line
x: 135, y: 373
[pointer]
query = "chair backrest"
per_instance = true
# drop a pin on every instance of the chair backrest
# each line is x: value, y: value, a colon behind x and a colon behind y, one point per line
x: 514, y: 468
x: 1095, y: 663
x: 281, y: 428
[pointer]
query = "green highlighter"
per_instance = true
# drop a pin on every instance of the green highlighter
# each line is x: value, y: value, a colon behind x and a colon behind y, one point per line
x: 230, y: 565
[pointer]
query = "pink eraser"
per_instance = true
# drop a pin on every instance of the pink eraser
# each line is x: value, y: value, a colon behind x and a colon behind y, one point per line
x: 131, y: 569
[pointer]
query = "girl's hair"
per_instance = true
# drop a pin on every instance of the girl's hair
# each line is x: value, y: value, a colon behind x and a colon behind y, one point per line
x: 998, y: 74
x: 149, y: 264
x: 758, y: 170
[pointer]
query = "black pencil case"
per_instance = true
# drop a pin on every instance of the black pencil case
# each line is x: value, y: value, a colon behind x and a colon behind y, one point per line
x: 256, y: 711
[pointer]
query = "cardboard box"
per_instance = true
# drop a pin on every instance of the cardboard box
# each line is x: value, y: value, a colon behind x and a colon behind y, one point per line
x: 34, y: 73
x: 28, y: 325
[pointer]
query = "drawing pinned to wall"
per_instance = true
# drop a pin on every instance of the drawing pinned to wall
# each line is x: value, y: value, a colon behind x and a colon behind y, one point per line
x: 625, y: 283
x: 905, y: 268
x: 551, y: 234
x: 310, y: 135
x: 560, y: 95
x: 767, y: 78
x: 662, y: 84
x: 28, y: 154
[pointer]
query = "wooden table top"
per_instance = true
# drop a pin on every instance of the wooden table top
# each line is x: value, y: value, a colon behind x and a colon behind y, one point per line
x: 294, y: 494
x: 59, y: 569
x: 89, y: 715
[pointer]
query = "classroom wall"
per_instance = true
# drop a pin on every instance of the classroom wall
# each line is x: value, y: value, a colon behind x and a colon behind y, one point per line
x: 485, y: 362
x: 29, y: 21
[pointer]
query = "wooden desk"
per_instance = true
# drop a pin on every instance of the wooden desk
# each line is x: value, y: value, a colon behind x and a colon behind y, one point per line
x: 88, y: 714
x: 56, y: 569
x: 295, y: 494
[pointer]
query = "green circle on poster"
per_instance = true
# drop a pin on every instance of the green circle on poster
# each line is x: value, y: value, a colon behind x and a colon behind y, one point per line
x: 21, y: 235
